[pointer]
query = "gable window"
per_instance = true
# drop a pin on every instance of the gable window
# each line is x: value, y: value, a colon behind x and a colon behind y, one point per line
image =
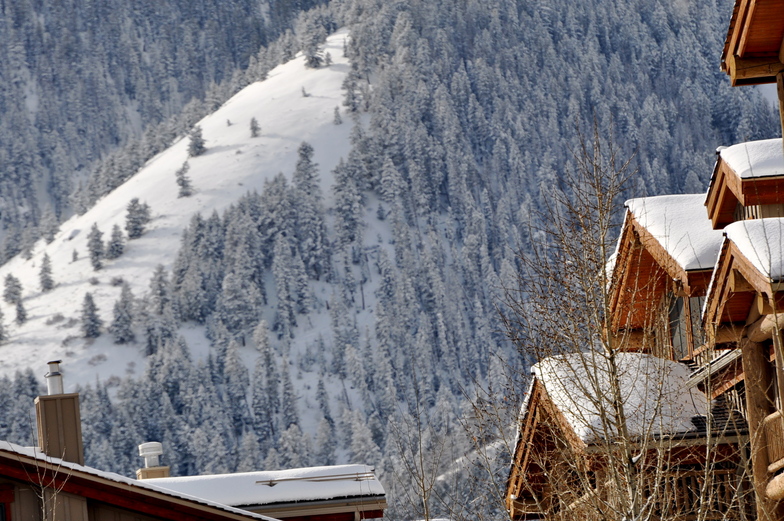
x: 685, y: 325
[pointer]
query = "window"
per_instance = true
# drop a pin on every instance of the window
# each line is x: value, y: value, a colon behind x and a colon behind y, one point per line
x: 685, y: 325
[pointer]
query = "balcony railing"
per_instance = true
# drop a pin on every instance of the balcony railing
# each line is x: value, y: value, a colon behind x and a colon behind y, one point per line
x: 774, y: 439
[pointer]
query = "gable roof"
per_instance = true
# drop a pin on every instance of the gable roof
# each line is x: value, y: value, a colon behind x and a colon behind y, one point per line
x: 755, y: 158
x: 681, y: 226
x: 746, y: 174
x: 27, y: 463
x: 761, y: 241
x: 657, y: 399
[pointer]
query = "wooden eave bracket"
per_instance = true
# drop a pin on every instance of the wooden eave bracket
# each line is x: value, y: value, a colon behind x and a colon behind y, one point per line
x: 753, y: 71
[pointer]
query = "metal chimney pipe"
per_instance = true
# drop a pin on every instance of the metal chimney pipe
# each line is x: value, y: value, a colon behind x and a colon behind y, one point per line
x: 54, y: 379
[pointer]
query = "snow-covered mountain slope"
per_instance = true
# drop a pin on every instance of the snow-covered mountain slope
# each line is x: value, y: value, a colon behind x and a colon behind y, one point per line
x: 234, y: 164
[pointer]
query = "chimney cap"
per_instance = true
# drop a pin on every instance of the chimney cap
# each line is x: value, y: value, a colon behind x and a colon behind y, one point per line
x: 151, y: 448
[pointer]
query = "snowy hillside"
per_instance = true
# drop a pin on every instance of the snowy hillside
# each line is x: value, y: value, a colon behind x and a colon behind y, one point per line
x: 234, y: 164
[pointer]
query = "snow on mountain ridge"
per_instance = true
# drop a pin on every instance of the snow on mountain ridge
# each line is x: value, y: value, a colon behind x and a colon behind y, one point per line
x: 234, y: 164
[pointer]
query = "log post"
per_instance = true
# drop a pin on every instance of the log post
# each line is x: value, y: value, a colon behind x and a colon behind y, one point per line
x: 759, y: 403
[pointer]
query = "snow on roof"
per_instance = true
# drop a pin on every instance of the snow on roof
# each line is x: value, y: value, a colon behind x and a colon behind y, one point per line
x: 756, y: 158
x: 681, y: 225
x: 35, y: 453
x: 280, y: 486
x: 762, y: 242
x: 655, y: 394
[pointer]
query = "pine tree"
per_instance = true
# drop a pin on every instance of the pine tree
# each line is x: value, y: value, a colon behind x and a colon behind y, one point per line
x: 288, y: 401
x: 337, y: 120
x: 13, y: 289
x: 45, y: 275
x: 122, y: 324
x: 160, y: 291
x: 183, y: 181
x: 196, y: 146
x: 115, y: 246
x: 324, y: 453
x: 21, y: 312
x: 91, y: 322
x: 255, y: 129
x: 136, y: 218
x: 95, y: 247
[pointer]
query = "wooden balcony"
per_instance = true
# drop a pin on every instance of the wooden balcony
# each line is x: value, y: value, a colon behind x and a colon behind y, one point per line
x: 773, y: 426
x: 684, y: 496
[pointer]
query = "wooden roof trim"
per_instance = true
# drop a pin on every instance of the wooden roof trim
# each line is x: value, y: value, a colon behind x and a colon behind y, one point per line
x: 660, y: 254
x: 760, y: 282
x: 713, y: 309
x: 744, y: 33
x: 730, y: 32
x: 737, y: 25
x: 621, y: 269
x: 138, y: 499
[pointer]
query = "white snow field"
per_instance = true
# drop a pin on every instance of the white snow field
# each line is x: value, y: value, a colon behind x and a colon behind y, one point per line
x: 234, y: 164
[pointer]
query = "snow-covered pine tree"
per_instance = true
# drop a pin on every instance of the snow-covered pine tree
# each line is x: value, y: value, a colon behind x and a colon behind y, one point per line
x: 196, y: 145
x: 324, y: 450
x: 91, y: 322
x: 288, y: 401
x: 21, y: 313
x: 13, y: 289
x: 45, y: 274
x: 115, y: 246
x: 95, y: 247
x: 183, y: 181
x: 294, y: 446
x: 136, y: 218
x: 237, y: 383
x: 255, y: 129
x: 262, y: 407
x: 160, y: 291
x: 122, y: 324
x: 239, y: 305
x: 337, y: 119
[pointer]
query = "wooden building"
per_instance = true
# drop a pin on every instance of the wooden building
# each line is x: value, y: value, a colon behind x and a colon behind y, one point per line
x: 696, y: 281
x: 50, y: 482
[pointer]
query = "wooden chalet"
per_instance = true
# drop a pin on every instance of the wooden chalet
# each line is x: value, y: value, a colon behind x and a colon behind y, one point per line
x: 746, y: 293
x: 698, y: 281
x: 563, y: 466
x: 660, y: 273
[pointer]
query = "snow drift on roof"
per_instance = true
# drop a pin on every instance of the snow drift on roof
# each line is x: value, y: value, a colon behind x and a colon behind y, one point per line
x: 756, y: 158
x: 35, y: 453
x: 655, y: 394
x: 280, y: 486
x: 681, y: 225
x: 762, y: 242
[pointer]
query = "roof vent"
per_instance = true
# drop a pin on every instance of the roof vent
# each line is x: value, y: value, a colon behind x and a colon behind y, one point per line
x: 54, y: 379
x: 150, y: 452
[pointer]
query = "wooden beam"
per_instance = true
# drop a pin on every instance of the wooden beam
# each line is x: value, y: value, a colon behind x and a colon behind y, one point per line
x: 744, y: 30
x: 762, y: 69
x: 781, y: 51
x: 738, y: 283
